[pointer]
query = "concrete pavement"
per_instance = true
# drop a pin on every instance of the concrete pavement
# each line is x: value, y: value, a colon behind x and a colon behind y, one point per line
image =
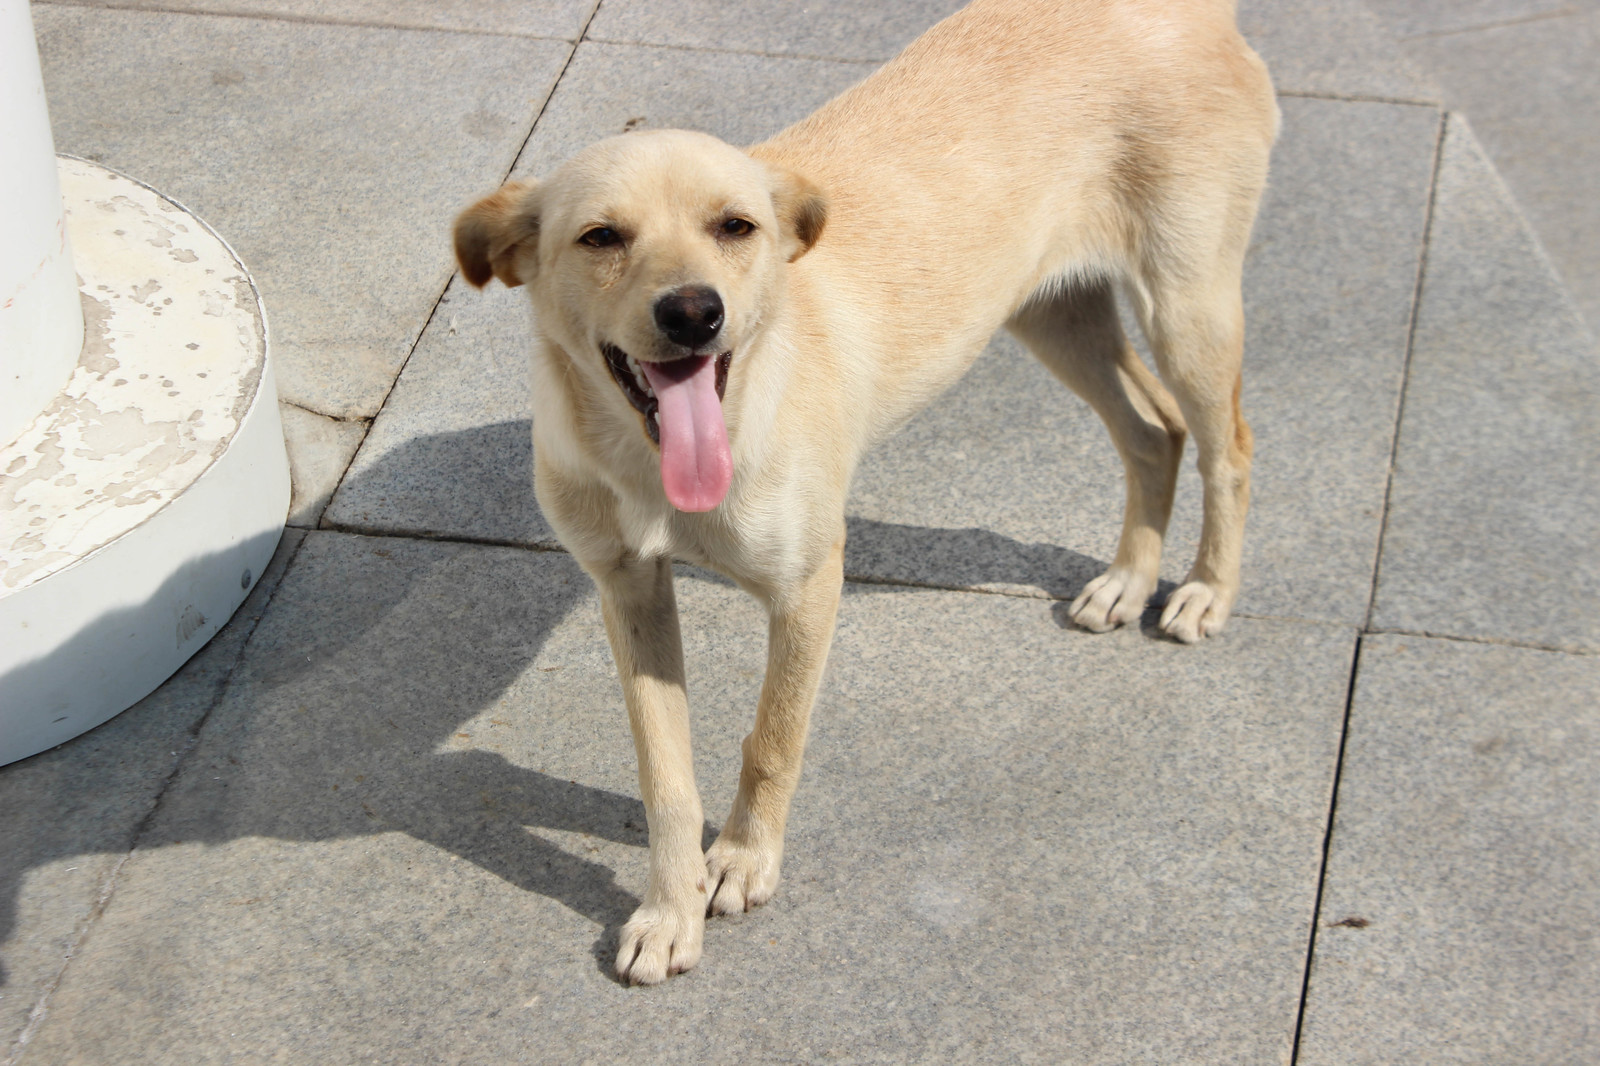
x: 389, y: 814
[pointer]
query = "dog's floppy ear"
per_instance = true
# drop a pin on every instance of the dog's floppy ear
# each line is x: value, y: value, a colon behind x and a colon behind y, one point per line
x: 802, y: 210
x: 489, y: 234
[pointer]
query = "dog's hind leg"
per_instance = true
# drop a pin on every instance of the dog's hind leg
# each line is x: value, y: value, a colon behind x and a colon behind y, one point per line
x: 1076, y: 334
x: 742, y: 865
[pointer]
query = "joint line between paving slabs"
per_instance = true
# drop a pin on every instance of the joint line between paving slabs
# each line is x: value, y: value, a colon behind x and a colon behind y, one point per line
x: 1567, y: 12
x: 707, y: 50
x: 108, y: 888
x: 1498, y: 642
x: 1327, y: 844
x: 302, y: 20
x: 1405, y: 368
x: 348, y: 530
x: 583, y: 33
x: 323, y: 414
x: 41, y: 1009
x: 439, y: 300
x: 1358, y: 98
x: 351, y: 529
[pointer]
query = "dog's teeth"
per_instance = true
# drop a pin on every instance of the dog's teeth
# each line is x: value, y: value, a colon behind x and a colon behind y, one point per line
x: 638, y: 376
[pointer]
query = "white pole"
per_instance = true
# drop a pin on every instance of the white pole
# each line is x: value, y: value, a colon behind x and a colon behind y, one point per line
x: 41, y: 320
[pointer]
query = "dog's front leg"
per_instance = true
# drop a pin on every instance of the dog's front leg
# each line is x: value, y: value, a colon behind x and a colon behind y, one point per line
x: 742, y: 865
x: 663, y: 936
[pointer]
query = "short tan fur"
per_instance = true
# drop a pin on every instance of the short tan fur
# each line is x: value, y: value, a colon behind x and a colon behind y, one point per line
x: 1005, y: 171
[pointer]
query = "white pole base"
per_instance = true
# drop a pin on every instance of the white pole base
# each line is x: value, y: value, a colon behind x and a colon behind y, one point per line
x: 137, y: 511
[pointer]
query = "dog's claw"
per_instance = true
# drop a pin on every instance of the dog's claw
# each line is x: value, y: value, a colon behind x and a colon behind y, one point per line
x: 1196, y: 611
x: 746, y: 876
x: 712, y: 895
x: 657, y: 942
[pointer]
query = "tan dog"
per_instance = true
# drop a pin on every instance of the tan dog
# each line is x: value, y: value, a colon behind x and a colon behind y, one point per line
x: 721, y: 334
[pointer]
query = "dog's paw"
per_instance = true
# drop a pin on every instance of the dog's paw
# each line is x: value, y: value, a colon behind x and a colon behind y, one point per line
x: 740, y: 876
x: 1195, y: 611
x: 1114, y: 598
x: 661, y: 939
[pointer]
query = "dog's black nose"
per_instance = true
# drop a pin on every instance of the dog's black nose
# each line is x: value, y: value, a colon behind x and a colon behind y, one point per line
x: 690, y: 316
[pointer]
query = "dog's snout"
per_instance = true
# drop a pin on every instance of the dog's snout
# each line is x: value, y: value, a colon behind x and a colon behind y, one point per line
x: 690, y: 316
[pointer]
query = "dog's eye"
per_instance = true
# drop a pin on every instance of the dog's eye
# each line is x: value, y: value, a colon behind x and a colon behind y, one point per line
x: 737, y: 227
x: 600, y: 237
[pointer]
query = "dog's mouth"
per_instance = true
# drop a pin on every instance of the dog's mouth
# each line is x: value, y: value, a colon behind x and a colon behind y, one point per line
x: 635, y: 384
x: 681, y: 405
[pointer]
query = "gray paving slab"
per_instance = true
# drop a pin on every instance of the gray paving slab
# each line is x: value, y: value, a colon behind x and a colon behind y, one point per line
x: 332, y: 157
x: 410, y: 832
x: 548, y: 18
x: 1459, y: 913
x: 1009, y: 482
x: 1336, y: 48
x: 610, y: 88
x: 835, y: 29
x: 320, y: 450
x: 452, y: 452
x: 1532, y: 91
x: 68, y: 816
x: 1495, y: 509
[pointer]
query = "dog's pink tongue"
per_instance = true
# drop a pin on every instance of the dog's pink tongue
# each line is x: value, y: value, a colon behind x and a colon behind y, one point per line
x: 696, y: 466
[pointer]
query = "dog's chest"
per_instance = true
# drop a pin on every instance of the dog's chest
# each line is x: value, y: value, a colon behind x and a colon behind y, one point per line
x: 753, y: 547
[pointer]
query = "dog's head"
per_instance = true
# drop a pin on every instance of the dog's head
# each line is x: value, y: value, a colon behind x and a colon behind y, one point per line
x: 653, y: 259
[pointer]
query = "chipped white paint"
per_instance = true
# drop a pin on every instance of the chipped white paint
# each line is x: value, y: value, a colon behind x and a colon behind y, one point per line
x: 137, y: 511
x: 40, y: 327
x: 171, y: 359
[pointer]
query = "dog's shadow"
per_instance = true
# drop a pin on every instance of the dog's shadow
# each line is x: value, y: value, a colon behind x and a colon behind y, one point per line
x: 375, y: 653
x: 496, y: 503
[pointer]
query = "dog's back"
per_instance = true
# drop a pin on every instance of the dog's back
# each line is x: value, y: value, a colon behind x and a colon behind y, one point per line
x: 940, y: 165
